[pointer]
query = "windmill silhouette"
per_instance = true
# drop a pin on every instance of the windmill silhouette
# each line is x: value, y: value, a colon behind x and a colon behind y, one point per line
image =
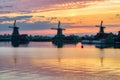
x: 59, y: 37
x: 101, y: 30
x: 59, y: 30
x: 15, y: 38
x: 15, y: 29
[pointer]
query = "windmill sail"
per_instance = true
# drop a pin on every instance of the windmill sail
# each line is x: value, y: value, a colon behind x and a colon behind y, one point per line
x: 59, y: 24
x: 101, y: 30
x: 101, y: 24
x: 14, y: 25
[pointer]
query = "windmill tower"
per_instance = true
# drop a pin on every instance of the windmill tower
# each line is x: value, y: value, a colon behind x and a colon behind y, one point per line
x: 59, y: 30
x: 101, y: 30
x: 15, y: 38
x: 15, y: 29
x: 58, y: 39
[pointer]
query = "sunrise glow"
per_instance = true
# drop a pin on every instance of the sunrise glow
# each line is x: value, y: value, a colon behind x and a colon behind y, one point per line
x: 77, y: 16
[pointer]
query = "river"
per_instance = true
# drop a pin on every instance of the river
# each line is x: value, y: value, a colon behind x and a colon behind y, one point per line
x: 44, y: 61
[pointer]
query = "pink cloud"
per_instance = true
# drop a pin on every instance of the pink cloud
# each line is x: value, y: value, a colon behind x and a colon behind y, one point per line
x: 42, y: 5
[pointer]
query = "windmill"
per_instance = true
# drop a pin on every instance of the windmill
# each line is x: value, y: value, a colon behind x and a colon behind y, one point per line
x: 59, y: 30
x: 15, y: 29
x: 101, y: 31
x: 58, y: 39
x: 15, y: 38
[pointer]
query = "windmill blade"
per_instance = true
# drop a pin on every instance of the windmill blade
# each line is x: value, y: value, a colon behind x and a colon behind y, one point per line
x: 14, y: 23
x: 59, y: 24
x: 100, y: 26
x: 63, y: 29
x: 54, y: 28
x: 97, y: 26
x: 101, y: 23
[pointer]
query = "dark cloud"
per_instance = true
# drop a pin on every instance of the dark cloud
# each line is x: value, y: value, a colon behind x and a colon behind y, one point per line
x: 32, y: 26
x: 2, y: 12
x: 1, y: 7
x: 8, y: 6
x: 4, y: 0
x: 29, y: 26
x: 4, y: 27
x: 52, y: 18
x: 35, y: 26
x: 4, y: 18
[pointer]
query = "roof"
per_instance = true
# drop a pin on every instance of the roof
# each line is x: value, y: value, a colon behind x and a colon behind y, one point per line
x: 102, y: 36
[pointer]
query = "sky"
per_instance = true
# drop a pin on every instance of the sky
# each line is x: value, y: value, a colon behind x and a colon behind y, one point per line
x: 76, y: 16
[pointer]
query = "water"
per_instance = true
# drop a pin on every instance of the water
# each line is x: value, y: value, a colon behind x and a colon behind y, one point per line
x: 44, y: 61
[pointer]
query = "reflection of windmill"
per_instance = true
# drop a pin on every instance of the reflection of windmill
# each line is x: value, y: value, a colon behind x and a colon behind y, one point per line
x: 59, y: 30
x: 15, y: 58
x: 59, y: 56
x: 58, y: 38
x: 101, y: 28
x: 101, y: 57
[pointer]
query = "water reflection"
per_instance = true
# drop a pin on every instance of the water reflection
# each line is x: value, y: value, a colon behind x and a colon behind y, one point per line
x: 59, y: 44
x: 59, y: 56
x: 115, y: 45
x: 15, y: 43
x: 101, y: 51
x: 51, y: 45
x: 57, y: 62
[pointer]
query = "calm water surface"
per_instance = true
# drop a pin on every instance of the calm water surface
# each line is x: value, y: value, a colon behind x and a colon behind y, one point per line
x: 44, y: 61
